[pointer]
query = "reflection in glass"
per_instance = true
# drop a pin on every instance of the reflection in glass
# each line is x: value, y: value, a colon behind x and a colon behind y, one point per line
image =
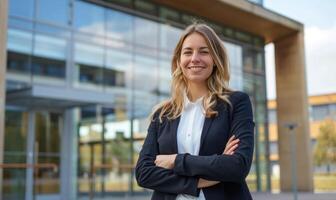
x: 145, y: 73
x: 49, y: 56
x: 47, y: 150
x: 48, y: 67
x: 53, y: 11
x: 114, y: 78
x: 14, y: 180
x: 169, y: 37
x: 146, y: 32
x: 19, y: 41
x: 89, y: 17
x: 104, y: 148
x: 21, y: 8
x: 119, y: 25
x: 169, y: 14
x: 164, y: 77
x: 236, y: 69
x: 89, y: 61
x: 120, y: 65
x: 18, y: 63
x: 90, y: 74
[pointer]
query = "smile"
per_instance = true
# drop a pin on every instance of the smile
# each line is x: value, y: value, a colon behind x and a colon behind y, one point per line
x: 196, y: 67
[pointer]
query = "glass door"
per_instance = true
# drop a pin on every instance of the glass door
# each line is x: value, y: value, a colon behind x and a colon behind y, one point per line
x: 15, y: 144
x: 32, y: 155
x: 47, y: 150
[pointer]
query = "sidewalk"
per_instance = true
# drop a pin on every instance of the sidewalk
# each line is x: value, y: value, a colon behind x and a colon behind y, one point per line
x: 256, y: 196
x: 290, y: 196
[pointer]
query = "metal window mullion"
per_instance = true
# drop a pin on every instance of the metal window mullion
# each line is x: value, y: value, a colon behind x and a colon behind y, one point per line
x: 30, y: 156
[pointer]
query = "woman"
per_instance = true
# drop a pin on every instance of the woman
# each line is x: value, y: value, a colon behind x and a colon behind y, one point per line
x: 192, y: 150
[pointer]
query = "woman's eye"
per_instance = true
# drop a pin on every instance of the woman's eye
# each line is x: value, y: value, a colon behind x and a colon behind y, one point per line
x: 204, y: 52
x: 187, y: 52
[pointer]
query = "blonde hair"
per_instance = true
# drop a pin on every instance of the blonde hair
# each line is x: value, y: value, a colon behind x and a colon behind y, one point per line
x: 217, y: 83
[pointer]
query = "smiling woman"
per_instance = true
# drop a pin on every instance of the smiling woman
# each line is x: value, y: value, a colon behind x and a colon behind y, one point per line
x: 200, y: 142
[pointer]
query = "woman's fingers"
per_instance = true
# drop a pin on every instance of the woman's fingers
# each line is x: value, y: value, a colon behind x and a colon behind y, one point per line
x: 231, y: 146
x: 232, y: 149
x: 231, y: 138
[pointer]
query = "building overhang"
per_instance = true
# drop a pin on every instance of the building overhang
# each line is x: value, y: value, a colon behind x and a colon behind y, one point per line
x: 58, y: 98
x: 240, y: 14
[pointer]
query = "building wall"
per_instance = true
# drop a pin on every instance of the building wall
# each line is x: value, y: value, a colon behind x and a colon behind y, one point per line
x: 122, y: 49
x: 321, y: 108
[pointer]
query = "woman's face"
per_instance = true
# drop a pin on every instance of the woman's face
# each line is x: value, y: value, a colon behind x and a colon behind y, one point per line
x: 195, y: 61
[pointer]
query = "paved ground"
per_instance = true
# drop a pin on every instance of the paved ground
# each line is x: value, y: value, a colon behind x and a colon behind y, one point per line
x: 256, y: 196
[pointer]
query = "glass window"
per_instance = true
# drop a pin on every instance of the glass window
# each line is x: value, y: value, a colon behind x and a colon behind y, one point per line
x: 259, y: 64
x: 243, y: 37
x: 51, y: 47
x: 19, y: 46
x: 48, y: 67
x: 320, y: 112
x: 146, y: 32
x: 145, y: 73
x: 164, y: 76
x: 248, y: 61
x: 49, y: 56
x: 21, y: 8
x: 114, y: 77
x: 19, y: 41
x: 15, y: 151
x: 88, y: 18
x: 260, y: 111
x: 124, y: 3
x: 89, y: 61
x: 169, y: 14
x: 53, y: 11
x: 119, y: 25
x: 89, y: 54
x: 333, y: 111
x: 120, y: 62
x: 145, y: 6
x: 235, y: 59
x: 272, y: 116
x: 261, y: 91
x: 248, y: 83
x: 20, y: 23
x: 18, y: 62
x: 169, y: 37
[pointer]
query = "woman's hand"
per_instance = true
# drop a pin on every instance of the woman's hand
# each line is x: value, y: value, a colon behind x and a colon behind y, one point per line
x: 165, y: 161
x: 231, y: 145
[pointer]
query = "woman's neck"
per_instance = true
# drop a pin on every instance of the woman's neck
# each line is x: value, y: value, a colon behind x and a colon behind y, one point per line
x: 196, y: 91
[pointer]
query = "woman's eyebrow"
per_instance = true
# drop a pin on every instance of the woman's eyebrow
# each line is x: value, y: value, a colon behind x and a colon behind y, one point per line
x: 189, y: 48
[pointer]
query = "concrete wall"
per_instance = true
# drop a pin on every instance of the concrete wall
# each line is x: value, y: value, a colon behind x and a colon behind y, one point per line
x: 292, y: 107
x: 3, y: 56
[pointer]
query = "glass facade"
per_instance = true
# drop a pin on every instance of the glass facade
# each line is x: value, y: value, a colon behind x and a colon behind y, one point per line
x: 123, y: 53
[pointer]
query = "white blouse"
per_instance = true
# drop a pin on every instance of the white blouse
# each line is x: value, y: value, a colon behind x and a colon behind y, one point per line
x: 189, y: 134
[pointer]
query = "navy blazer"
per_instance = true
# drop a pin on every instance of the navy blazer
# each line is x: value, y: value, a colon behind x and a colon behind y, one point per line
x: 210, y: 164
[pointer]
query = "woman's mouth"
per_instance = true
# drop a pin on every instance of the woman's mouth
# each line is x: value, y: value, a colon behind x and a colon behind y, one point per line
x: 196, y: 67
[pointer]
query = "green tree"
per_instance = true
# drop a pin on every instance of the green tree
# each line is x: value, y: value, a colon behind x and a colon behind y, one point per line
x: 120, y: 150
x: 325, y: 149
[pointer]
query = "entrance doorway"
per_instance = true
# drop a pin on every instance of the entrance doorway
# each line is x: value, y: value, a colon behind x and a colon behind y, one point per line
x: 32, y: 155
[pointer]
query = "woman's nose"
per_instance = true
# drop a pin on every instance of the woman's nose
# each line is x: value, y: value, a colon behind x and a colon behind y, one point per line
x: 195, y: 57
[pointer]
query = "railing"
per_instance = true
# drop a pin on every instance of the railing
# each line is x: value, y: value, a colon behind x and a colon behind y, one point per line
x: 26, y: 165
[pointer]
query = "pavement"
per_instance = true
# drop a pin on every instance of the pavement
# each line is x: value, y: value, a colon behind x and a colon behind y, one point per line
x: 256, y: 196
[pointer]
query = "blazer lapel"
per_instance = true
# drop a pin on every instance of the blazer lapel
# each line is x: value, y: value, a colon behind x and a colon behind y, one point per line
x: 205, y: 130
x: 174, y: 126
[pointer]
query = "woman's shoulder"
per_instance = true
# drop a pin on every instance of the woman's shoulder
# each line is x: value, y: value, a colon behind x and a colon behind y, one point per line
x: 236, y: 96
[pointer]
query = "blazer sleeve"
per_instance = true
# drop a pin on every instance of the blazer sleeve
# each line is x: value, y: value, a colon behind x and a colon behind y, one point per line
x: 225, y: 168
x: 148, y: 175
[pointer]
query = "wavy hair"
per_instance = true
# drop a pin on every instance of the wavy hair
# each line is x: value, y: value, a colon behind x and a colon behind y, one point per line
x: 217, y: 83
